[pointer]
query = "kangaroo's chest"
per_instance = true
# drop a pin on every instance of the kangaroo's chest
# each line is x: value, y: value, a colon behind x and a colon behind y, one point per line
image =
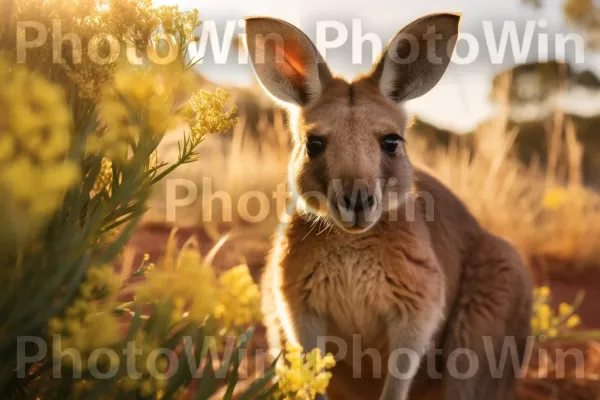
x: 354, y: 289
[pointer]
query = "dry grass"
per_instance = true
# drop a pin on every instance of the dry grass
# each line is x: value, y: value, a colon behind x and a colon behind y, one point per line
x: 545, y: 213
x: 251, y: 159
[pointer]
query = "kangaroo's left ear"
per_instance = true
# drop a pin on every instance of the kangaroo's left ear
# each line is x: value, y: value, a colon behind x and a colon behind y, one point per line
x: 415, y: 60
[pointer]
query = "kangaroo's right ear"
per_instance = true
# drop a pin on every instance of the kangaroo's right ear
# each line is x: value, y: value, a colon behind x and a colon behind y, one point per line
x: 286, y: 62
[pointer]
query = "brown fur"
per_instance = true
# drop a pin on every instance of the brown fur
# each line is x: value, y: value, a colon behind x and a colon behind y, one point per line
x: 425, y: 274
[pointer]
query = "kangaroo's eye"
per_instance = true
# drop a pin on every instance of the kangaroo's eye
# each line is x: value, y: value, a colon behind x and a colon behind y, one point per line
x: 315, y: 146
x: 389, y: 143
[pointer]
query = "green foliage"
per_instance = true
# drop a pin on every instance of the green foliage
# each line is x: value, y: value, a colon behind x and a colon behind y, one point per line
x: 103, y: 125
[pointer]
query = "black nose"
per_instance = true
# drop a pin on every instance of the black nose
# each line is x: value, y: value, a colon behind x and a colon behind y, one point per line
x: 358, y: 201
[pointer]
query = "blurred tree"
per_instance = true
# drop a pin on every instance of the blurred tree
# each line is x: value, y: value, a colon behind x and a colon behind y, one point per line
x: 585, y: 14
x: 538, y: 95
x: 582, y: 14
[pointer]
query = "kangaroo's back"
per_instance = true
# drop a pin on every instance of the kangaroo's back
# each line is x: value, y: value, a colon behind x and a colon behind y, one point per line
x: 453, y: 231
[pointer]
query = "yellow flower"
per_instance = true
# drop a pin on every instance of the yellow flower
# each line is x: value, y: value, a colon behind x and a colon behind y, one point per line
x: 304, y: 377
x: 105, y: 176
x: 545, y: 314
x: 181, y: 279
x: 129, y: 384
x: 535, y: 323
x: 7, y: 146
x: 206, y: 113
x: 133, y: 22
x: 239, y: 298
x: 137, y: 101
x: 35, y: 170
x: 552, y: 322
x: 87, y: 324
x: 146, y: 388
x: 565, y: 309
x: 573, y: 321
x: 554, y: 198
x: 55, y: 325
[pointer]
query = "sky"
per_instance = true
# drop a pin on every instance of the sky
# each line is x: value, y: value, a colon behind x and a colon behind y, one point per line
x: 460, y: 101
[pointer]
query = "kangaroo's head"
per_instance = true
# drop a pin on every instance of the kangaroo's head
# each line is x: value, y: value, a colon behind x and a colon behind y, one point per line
x: 349, y: 162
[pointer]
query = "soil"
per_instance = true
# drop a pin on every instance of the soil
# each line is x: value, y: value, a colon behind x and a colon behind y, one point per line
x: 542, y: 381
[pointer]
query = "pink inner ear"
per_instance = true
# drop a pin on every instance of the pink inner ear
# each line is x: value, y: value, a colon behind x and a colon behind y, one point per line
x: 290, y: 52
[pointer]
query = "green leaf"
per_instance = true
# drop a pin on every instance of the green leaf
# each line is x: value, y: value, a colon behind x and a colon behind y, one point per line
x: 236, y: 358
x: 258, y: 385
x: 185, y: 372
x: 208, y: 383
x: 268, y: 394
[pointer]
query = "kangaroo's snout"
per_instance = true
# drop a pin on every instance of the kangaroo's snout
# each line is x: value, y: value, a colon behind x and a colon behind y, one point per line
x: 354, y: 205
x: 356, y: 201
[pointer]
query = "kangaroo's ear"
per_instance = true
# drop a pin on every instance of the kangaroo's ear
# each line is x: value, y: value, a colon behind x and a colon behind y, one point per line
x: 417, y: 57
x: 286, y: 62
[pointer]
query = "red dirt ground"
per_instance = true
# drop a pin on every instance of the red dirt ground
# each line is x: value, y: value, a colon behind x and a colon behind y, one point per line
x: 542, y: 381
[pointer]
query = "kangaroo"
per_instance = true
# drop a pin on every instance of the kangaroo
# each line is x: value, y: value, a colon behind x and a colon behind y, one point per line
x: 378, y: 261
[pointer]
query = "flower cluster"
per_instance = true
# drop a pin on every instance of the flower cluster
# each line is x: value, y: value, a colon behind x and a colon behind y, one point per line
x: 133, y: 23
x: 551, y: 322
x: 305, y: 376
x: 137, y: 102
x: 554, y: 198
x: 35, y: 139
x: 238, y: 300
x: 88, y: 323
x: 78, y: 143
x: 180, y: 25
x: 105, y: 176
x: 186, y: 281
x: 207, y: 113
x: 151, y: 369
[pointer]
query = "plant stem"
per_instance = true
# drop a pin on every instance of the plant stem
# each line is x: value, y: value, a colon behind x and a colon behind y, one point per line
x: 584, y: 335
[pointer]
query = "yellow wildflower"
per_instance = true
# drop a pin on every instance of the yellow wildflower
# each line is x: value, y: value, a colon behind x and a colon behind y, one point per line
x: 35, y: 139
x: 554, y: 198
x: 551, y: 322
x: 178, y: 24
x: 129, y: 384
x: 89, y: 324
x: 565, y: 309
x: 146, y: 388
x: 304, y: 377
x: 206, y: 113
x: 55, y: 325
x: 573, y: 321
x: 105, y: 176
x: 7, y: 147
x: 138, y: 100
x: 181, y: 279
x: 535, y: 323
x: 134, y: 22
x: 239, y: 298
x: 544, y: 291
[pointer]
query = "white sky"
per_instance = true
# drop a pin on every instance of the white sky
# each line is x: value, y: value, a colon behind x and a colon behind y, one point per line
x: 459, y: 102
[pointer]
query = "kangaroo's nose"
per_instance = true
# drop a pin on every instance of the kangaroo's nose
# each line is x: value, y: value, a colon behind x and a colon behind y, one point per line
x: 357, y: 201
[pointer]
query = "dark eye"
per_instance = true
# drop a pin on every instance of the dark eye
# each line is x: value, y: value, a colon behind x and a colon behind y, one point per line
x: 389, y: 143
x: 315, y: 146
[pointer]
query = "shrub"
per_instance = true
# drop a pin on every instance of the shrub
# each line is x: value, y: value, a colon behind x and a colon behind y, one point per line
x: 78, y: 141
